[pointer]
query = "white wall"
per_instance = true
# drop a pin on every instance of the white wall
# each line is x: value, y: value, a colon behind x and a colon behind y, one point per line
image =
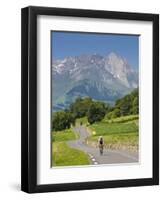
x: 10, y: 41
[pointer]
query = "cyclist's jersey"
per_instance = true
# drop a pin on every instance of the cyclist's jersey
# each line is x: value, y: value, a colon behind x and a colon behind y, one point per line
x: 101, y: 142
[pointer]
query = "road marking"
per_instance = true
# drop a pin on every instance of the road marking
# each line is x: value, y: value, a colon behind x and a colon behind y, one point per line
x: 93, y: 159
x: 90, y: 155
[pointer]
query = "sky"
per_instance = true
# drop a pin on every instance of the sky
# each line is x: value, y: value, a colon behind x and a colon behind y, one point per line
x: 66, y: 44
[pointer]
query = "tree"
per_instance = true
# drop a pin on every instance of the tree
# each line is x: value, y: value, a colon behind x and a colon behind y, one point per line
x: 127, y: 105
x: 62, y: 120
x: 95, y: 113
x: 135, y: 106
x: 116, y: 113
x: 71, y: 118
x: 109, y: 115
x: 80, y: 107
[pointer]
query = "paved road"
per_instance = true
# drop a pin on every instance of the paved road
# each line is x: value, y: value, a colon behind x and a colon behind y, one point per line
x: 108, y: 157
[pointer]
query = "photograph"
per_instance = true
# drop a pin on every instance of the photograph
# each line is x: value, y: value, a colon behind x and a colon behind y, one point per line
x: 94, y: 99
x: 90, y: 99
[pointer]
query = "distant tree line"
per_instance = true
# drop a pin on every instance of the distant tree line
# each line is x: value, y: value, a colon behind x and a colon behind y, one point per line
x: 128, y: 105
x: 95, y: 110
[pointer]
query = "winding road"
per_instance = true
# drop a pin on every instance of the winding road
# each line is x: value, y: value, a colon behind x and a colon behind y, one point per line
x: 108, y: 157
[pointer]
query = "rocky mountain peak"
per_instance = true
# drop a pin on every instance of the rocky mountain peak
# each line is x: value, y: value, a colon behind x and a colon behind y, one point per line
x: 109, y: 76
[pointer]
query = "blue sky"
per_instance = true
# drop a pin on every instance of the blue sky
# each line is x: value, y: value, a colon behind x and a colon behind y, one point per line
x: 73, y: 44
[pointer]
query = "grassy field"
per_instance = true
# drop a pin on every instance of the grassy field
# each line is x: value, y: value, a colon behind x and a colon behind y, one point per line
x: 62, y: 154
x: 119, y: 133
x: 58, y: 136
x: 103, y: 128
x: 123, y: 119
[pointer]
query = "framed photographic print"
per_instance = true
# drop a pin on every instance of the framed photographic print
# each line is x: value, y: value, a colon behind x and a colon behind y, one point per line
x: 90, y: 99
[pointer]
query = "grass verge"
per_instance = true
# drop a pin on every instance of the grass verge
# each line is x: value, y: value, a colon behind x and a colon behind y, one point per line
x: 63, y: 155
x: 68, y: 134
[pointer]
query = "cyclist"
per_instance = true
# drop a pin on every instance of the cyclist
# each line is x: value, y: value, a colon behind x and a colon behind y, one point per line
x: 101, y: 144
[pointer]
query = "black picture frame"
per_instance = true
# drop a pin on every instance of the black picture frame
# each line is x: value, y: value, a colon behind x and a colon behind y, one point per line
x: 29, y: 99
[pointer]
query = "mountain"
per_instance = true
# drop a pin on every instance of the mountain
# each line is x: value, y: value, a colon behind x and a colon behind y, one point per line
x: 104, y: 78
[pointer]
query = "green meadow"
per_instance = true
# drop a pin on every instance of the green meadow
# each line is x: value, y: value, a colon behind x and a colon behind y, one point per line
x: 119, y: 133
x: 62, y: 154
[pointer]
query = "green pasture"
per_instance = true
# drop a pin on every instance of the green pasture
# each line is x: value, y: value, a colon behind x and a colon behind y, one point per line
x: 123, y: 119
x: 62, y: 154
x: 103, y: 128
x: 123, y: 131
x: 65, y: 135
